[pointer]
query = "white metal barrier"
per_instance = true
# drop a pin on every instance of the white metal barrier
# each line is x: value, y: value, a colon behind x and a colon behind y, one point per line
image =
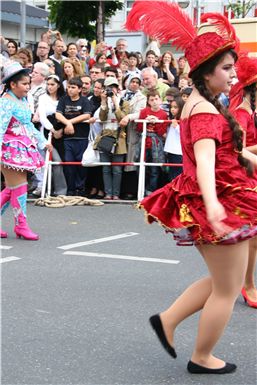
x: 141, y: 164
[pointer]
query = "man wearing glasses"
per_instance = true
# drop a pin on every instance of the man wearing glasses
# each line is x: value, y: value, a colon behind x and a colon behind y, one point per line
x: 96, y: 72
x: 42, y: 51
x: 83, y: 53
x: 83, y: 49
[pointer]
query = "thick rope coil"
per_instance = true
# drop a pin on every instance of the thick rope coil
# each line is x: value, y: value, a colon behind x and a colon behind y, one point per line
x: 63, y: 200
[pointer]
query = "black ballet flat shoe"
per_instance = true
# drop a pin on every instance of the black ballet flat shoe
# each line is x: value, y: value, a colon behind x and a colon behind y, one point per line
x: 156, y: 324
x: 198, y: 369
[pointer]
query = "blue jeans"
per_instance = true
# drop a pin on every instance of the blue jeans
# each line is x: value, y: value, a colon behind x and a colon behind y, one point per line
x: 152, y: 173
x: 112, y: 175
x: 75, y: 175
x: 173, y: 170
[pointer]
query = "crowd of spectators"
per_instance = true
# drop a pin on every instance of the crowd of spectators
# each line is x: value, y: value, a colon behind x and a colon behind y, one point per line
x: 75, y: 89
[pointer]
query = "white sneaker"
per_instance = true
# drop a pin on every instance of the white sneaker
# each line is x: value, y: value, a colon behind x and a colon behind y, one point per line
x: 37, y: 192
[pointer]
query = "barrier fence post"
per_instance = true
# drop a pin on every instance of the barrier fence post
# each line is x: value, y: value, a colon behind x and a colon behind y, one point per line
x: 49, y: 180
x: 141, y: 177
x: 47, y: 165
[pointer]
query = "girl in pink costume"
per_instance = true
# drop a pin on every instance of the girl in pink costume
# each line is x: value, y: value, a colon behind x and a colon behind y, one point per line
x: 19, y: 140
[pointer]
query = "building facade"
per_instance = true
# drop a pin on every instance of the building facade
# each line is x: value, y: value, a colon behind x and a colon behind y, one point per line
x: 138, y: 41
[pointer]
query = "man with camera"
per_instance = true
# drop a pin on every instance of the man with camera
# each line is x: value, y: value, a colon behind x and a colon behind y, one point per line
x: 112, y: 110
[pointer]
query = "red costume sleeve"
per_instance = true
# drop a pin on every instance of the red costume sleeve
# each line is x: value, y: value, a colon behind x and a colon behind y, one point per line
x: 206, y: 126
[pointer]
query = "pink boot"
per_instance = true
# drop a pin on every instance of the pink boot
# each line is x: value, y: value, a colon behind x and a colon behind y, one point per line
x: 3, y: 234
x: 5, y: 196
x: 19, y: 205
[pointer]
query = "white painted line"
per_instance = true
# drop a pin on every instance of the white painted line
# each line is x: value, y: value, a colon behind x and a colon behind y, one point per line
x: 8, y: 259
x: 126, y: 257
x: 5, y: 247
x: 99, y: 240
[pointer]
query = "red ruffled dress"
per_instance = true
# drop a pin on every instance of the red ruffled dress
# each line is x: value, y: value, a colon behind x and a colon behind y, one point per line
x: 179, y: 206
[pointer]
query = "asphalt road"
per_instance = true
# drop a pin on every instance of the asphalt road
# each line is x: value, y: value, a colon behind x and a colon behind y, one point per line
x: 75, y: 304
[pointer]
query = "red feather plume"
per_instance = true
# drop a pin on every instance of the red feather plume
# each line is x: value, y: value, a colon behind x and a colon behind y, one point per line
x: 222, y: 26
x: 162, y: 20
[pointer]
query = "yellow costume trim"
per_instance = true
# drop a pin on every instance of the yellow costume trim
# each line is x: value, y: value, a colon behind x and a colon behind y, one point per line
x: 237, y: 211
x: 184, y: 214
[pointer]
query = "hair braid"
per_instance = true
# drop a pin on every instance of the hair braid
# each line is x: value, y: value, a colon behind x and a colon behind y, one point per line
x: 252, y: 92
x: 253, y: 102
x: 237, y: 133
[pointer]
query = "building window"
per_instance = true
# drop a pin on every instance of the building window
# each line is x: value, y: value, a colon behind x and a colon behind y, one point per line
x: 129, y: 4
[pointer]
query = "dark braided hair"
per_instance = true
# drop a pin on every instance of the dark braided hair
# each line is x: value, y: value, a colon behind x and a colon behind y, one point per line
x: 251, y: 90
x: 237, y: 134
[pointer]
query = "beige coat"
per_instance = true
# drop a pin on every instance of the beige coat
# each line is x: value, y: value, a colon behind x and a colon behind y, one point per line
x: 111, y: 128
x: 136, y: 104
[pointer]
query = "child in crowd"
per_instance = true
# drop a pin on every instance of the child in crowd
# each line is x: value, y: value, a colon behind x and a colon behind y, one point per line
x: 185, y: 92
x: 72, y: 110
x: 172, y: 145
x: 154, y: 138
x: 183, y: 82
x: 171, y: 93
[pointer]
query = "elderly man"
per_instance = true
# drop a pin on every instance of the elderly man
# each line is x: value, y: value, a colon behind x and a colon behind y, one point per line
x: 38, y: 88
x: 38, y: 84
x: 151, y: 82
x: 121, y: 49
x: 83, y: 53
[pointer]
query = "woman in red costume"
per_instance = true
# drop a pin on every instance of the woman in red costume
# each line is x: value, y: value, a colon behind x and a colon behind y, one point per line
x: 243, y: 99
x: 213, y: 203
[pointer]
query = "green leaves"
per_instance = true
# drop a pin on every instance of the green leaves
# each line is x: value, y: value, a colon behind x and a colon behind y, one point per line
x: 78, y: 18
x: 241, y: 8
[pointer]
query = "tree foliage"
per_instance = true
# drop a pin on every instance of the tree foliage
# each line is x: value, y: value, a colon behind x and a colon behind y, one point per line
x: 241, y: 8
x: 78, y: 18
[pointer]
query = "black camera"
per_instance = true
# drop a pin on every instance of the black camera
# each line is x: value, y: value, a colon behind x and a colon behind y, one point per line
x: 109, y: 92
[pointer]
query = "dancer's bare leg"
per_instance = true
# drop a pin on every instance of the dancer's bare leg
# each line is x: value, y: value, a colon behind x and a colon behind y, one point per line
x: 189, y: 302
x: 13, y: 177
x: 249, y: 284
x: 227, y: 266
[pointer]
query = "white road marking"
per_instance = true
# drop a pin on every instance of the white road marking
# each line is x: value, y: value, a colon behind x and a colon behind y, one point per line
x: 42, y: 311
x: 5, y: 247
x: 8, y: 259
x: 99, y: 240
x: 126, y: 257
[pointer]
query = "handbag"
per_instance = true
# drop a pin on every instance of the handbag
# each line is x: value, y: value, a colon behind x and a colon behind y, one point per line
x: 90, y: 155
x: 108, y: 144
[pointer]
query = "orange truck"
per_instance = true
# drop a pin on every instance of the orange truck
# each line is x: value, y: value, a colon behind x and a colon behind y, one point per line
x: 246, y: 31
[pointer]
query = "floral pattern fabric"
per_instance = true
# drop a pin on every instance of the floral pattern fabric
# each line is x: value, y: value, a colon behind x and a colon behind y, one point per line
x: 19, y: 138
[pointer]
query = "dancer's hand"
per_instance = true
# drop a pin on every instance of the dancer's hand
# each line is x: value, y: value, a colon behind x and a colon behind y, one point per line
x: 215, y: 215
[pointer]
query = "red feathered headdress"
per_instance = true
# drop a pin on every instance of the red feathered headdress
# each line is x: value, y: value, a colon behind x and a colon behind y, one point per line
x: 246, y: 69
x: 167, y: 21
